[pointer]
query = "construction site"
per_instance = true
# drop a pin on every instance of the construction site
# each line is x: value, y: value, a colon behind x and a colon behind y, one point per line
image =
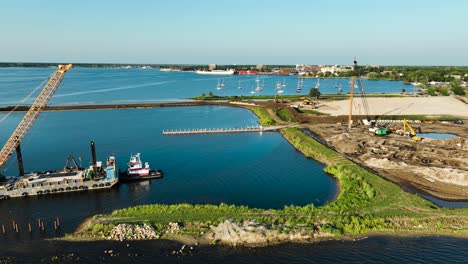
x: 387, y: 135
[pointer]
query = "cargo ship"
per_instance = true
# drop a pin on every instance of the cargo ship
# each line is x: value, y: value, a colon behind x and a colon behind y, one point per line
x: 69, y: 179
x: 217, y: 72
x: 136, y: 171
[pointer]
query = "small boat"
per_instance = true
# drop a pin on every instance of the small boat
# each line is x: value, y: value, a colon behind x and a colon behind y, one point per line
x: 284, y: 83
x: 136, y: 170
x: 239, y: 86
x: 219, y: 86
x: 299, y: 87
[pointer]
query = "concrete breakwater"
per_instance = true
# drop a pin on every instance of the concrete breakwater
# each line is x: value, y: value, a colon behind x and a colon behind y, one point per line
x: 117, y: 106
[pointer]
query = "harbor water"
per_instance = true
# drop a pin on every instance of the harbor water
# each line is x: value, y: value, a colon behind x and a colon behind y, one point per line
x: 88, y: 85
x: 256, y: 169
x: 370, y: 250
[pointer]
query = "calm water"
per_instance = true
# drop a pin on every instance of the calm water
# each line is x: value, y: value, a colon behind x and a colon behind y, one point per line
x: 120, y: 85
x: 371, y: 250
x: 437, y: 135
x: 258, y: 170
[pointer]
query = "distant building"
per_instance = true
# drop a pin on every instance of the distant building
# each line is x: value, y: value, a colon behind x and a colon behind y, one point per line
x: 335, y: 69
x: 211, y: 66
x: 285, y: 71
x: 246, y: 72
x: 259, y: 67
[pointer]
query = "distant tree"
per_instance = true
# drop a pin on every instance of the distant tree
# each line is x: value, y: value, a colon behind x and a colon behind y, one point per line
x: 210, y: 94
x: 431, y: 91
x: 372, y: 75
x: 202, y: 95
x: 456, y: 87
x: 444, y: 90
x: 403, y: 90
x: 314, y: 92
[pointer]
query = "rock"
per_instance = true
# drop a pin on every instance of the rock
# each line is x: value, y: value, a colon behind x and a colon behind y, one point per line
x: 132, y: 232
x: 248, y: 232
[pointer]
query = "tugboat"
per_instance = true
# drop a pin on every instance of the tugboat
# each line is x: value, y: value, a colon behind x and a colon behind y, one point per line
x: 136, y: 171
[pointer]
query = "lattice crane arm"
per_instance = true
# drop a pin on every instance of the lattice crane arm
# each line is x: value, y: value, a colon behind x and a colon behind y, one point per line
x: 33, y: 113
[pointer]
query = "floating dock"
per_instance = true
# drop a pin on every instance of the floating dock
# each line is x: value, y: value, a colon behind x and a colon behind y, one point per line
x: 196, y: 131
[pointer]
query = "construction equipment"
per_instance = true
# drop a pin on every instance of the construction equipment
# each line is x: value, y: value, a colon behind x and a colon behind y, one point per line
x: 374, y: 128
x: 412, y: 133
x: 26, y: 123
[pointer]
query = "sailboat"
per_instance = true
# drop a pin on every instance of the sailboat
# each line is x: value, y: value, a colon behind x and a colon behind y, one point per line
x: 284, y: 83
x: 239, y: 86
x: 317, y: 85
x: 257, y: 81
x: 218, y: 87
x: 299, y: 86
x: 278, y: 87
x: 302, y: 83
x: 222, y: 83
x: 263, y: 84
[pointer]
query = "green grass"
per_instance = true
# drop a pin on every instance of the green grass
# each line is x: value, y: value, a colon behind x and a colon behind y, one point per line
x: 285, y: 115
x: 264, y: 118
x: 366, y: 202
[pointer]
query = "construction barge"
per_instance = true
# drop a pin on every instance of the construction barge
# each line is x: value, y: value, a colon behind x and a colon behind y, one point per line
x: 68, y: 179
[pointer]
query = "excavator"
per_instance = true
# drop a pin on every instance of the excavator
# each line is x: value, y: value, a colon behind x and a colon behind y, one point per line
x: 412, y: 133
x: 13, y: 143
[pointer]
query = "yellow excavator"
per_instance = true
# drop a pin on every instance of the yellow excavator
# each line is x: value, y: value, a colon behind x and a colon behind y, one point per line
x: 26, y: 123
x: 412, y: 133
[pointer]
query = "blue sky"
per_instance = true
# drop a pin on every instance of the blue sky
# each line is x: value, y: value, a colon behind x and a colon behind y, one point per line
x: 418, y: 32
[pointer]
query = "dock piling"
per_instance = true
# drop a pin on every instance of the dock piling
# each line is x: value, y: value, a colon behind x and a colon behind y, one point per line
x: 3, y: 229
x: 30, y: 228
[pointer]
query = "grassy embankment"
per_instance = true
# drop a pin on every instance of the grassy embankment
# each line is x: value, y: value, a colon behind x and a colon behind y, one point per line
x: 365, y: 203
x: 264, y: 116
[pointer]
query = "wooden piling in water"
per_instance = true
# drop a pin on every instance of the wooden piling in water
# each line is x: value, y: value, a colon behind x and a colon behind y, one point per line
x: 3, y: 229
x: 58, y: 221
x: 14, y: 224
x: 39, y: 223
x: 17, y: 228
x: 55, y: 225
x: 30, y: 228
x: 42, y: 226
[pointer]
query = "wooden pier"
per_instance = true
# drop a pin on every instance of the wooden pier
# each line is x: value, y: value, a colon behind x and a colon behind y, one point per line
x: 221, y: 130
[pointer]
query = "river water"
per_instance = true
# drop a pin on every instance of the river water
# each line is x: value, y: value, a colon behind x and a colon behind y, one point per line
x: 258, y: 170
x: 87, y: 85
x: 370, y: 250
